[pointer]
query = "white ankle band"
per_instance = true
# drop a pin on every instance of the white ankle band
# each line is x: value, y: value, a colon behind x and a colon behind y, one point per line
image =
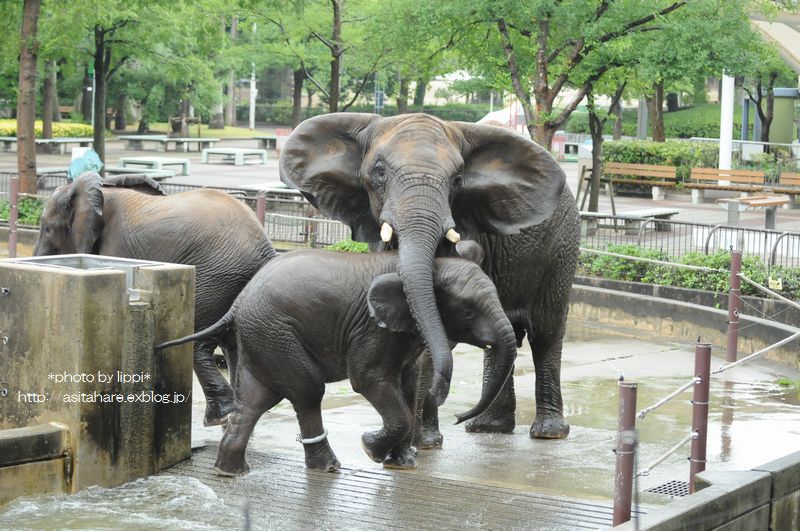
x: 313, y: 440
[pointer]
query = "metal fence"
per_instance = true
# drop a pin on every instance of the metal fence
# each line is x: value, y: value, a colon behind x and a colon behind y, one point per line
x: 289, y: 218
x: 677, y: 238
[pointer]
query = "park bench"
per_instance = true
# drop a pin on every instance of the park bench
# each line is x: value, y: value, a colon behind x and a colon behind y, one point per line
x: 745, y: 181
x: 44, y: 144
x: 769, y: 203
x: 136, y: 142
x: 155, y: 163
x: 236, y: 154
x: 267, y: 141
x: 655, y: 176
x: 66, y: 110
x: 183, y: 143
x: 788, y: 184
x: 633, y: 220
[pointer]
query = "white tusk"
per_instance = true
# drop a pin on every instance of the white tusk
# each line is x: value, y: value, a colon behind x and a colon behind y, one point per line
x: 386, y: 232
x: 453, y: 236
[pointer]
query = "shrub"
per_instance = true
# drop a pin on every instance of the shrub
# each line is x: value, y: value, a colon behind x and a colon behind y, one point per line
x: 678, y: 153
x: 753, y: 267
x: 280, y: 113
x: 349, y: 246
x: 60, y: 129
x: 29, y: 210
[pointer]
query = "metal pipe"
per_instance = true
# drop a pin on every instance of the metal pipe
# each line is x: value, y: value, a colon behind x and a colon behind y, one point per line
x: 702, y: 369
x: 754, y: 355
x: 646, y: 471
x: 734, y: 298
x: 261, y: 208
x: 12, y: 217
x: 626, y: 446
x: 774, y: 254
x: 644, y: 412
x: 769, y: 291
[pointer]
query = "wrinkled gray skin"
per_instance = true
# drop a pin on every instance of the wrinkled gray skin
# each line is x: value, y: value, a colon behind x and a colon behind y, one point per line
x: 352, y: 320
x: 424, y: 176
x: 205, y: 228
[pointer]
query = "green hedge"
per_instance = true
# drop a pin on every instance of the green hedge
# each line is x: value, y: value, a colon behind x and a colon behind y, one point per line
x: 60, y: 129
x: 682, y: 154
x: 281, y: 113
x: 614, y: 268
x: 29, y: 210
x: 696, y: 121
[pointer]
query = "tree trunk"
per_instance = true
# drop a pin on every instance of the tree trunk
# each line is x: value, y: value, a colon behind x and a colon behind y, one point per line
x: 298, y: 77
x: 85, y: 100
x: 47, y: 100
x: 656, y: 104
x: 102, y: 54
x: 402, y: 96
x: 336, y: 56
x: 120, y: 120
x: 26, y: 102
x: 769, y: 114
x: 54, y: 80
x: 217, y: 120
x: 186, y: 105
x: 672, y: 102
x: 596, y: 131
x: 419, y: 92
x: 617, y: 121
x: 230, y: 108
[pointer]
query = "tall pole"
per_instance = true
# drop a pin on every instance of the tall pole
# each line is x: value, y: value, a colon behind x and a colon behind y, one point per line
x: 726, y: 123
x: 626, y: 446
x: 734, y: 298
x: 702, y: 369
x: 253, y: 93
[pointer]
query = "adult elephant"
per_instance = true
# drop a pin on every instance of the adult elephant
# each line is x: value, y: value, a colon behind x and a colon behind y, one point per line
x: 130, y: 217
x: 415, y: 182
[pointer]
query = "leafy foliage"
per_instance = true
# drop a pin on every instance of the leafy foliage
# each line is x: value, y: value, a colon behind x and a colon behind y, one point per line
x: 349, y: 246
x: 60, y: 129
x: 753, y: 267
x: 684, y: 155
x: 281, y: 113
x: 29, y: 210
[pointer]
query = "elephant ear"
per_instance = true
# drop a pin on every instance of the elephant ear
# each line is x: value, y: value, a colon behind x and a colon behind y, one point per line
x: 509, y: 182
x: 388, y: 304
x: 322, y: 159
x: 84, y: 212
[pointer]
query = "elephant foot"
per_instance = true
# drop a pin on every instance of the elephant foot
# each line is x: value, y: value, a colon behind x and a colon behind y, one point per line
x: 430, y: 437
x: 549, y: 427
x: 217, y: 411
x: 491, y: 423
x: 223, y: 467
x: 319, y: 456
x: 401, y: 457
x: 374, y: 444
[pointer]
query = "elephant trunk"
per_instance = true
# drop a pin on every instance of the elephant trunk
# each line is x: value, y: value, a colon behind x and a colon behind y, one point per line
x: 419, y: 230
x: 504, y: 352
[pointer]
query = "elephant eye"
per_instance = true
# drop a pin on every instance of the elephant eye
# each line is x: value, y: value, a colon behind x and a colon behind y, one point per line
x: 379, y: 172
x: 458, y: 181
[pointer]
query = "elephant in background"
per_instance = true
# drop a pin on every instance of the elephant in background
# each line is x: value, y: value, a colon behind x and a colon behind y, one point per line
x: 420, y: 184
x: 352, y: 320
x: 130, y: 217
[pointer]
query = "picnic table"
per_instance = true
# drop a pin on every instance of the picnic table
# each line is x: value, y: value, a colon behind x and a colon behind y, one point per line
x: 236, y: 154
x: 266, y: 141
x: 44, y: 144
x: 156, y: 163
x: 136, y: 142
x: 769, y: 203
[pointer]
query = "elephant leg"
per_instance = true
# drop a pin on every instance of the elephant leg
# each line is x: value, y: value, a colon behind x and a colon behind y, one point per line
x: 306, y: 399
x: 403, y: 455
x: 219, y: 394
x: 549, y: 422
x: 500, y: 416
x: 426, y: 425
x: 389, y: 401
x: 231, y: 351
x: 252, y: 400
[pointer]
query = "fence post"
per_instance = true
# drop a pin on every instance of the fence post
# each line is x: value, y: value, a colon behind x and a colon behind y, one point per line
x: 702, y: 369
x: 312, y: 236
x: 626, y: 446
x: 12, y: 217
x: 734, y: 298
x: 261, y: 208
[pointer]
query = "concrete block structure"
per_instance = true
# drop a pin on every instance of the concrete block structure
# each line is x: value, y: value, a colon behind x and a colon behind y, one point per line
x: 84, y: 400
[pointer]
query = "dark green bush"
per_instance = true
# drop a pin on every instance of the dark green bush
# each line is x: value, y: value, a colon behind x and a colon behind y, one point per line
x: 280, y: 113
x: 684, y: 155
x: 753, y: 267
x: 29, y: 210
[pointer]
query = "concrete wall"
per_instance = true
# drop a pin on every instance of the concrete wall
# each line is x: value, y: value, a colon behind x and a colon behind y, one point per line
x: 681, y: 321
x: 64, y: 324
x: 767, y: 497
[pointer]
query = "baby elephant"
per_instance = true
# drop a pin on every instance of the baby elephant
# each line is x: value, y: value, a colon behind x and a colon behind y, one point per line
x: 311, y: 317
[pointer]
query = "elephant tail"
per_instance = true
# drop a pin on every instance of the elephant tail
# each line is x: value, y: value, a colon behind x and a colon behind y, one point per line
x: 226, y: 320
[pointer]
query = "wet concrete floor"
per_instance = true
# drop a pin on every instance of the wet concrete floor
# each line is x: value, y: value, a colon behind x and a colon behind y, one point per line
x: 753, y: 419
